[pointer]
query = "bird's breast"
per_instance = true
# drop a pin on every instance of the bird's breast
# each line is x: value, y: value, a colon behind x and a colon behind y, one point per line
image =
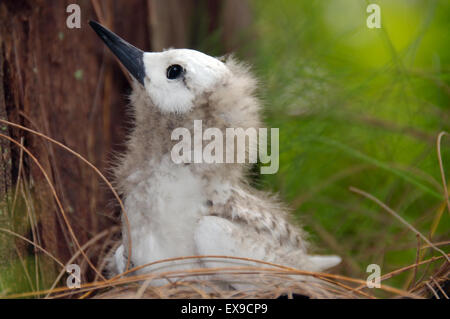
x: 163, y: 209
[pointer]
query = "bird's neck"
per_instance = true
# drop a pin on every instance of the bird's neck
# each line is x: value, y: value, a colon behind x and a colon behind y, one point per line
x: 149, y: 152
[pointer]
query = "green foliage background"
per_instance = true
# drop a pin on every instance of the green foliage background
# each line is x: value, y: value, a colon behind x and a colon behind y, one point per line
x: 355, y: 107
x: 358, y: 107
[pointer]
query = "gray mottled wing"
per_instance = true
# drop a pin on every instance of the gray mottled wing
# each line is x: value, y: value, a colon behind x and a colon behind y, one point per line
x: 220, y: 236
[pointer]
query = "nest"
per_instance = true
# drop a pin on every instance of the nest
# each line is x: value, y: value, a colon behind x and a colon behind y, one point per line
x: 265, y: 281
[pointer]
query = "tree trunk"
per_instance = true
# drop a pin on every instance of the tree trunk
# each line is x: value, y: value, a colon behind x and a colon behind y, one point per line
x: 65, y: 83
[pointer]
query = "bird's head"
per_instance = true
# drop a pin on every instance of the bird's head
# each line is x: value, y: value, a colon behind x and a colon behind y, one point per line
x: 175, y: 80
x: 177, y: 87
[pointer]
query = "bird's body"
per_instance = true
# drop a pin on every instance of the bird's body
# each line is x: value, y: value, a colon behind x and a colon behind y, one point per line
x: 189, y: 209
x: 174, y: 211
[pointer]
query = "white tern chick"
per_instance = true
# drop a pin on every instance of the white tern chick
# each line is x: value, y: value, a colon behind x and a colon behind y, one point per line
x: 194, y: 209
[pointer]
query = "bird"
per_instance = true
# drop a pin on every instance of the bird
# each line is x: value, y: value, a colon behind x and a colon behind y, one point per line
x: 195, y: 209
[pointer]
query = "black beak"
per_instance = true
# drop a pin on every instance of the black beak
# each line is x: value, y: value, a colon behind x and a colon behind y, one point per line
x: 130, y: 56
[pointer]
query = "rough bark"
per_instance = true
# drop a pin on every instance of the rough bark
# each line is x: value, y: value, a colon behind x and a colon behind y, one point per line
x: 64, y: 83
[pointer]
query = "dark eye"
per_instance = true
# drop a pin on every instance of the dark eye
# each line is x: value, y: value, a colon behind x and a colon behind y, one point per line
x: 174, y: 71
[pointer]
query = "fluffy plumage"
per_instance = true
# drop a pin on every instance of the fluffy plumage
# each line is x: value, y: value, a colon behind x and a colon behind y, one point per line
x: 198, y: 209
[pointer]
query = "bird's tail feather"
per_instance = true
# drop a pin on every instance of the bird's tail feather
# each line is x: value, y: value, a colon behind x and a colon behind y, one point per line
x: 321, y: 263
